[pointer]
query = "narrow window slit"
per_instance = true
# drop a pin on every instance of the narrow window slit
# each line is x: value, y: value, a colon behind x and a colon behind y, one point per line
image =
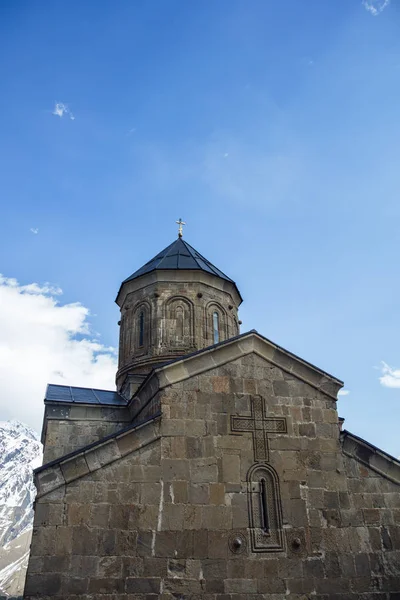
x: 264, y: 507
x: 141, y: 329
x: 216, y: 327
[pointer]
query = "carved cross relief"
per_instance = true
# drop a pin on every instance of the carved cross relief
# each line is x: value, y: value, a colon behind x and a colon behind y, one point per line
x: 259, y: 425
x: 265, y: 510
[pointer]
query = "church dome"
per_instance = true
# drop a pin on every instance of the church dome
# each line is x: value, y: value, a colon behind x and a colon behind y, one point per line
x: 175, y: 304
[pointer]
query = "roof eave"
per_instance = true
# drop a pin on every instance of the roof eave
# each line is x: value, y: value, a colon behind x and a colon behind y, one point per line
x: 229, y: 281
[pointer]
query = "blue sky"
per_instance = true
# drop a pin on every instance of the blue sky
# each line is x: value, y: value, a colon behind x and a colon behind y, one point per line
x: 272, y: 128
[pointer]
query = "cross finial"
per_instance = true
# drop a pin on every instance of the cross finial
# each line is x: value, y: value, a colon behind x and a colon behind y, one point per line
x: 180, y: 230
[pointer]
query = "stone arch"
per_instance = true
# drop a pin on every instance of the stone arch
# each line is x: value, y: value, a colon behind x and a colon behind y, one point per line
x: 140, y: 328
x: 265, y: 509
x: 214, y: 309
x: 179, y: 322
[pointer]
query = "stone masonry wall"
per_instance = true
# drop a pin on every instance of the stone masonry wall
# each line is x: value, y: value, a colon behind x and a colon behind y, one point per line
x: 159, y: 328
x: 165, y: 521
x: 85, y: 425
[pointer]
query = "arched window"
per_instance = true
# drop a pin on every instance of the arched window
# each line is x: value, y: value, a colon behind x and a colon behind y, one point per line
x: 179, y: 320
x: 216, y: 327
x: 178, y: 323
x: 265, y: 509
x: 141, y: 329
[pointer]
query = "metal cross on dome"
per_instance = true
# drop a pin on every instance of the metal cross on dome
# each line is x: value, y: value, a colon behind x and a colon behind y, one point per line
x: 180, y: 230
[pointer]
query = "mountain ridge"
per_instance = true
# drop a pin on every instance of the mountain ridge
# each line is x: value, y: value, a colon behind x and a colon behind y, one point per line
x: 20, y: 453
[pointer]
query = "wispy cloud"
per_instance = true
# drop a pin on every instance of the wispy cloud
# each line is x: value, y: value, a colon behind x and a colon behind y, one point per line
x: 34, y: 230
x: 390, y: 377
x: 375, y: 7
x: 343, y: 392
x: 61, y: 109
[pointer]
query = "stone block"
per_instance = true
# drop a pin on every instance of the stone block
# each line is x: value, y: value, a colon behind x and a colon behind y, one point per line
x: 371, y: 516
x: 177, y: 372
x: 74, y: 585
x: 74, y: 468
x: 172, y: 427
x: 182, y: 588
x: 100, y: 456
x: 220, y: 385
x: 84, y: 566
x: 165, y: 543
x: 172, y: 517
x: 124, y: 543
x: 217, y: 544
x: 195, y: 427
x: 49, y: 479
x: 281, y: 388
x: 217, y: 517
x: 214, y: 568
x: 200, y: 543
x: 272, y: 585
x: 105, y: 585
x: 35, y: 584
x: 217, y: 493
x: 110, y: 566
x: 184, y: 544
x: 99, y: 515
x: 240, y: 586
x: 192, y: 516
x: 78, y: 514
x: 175, y: 469
x: 231, y: 468
x: 307, y: 429
x: 131, y: 441
x: 119, y: 515
x: 204, y: 470
x: 199, y: 493
x: 56, y: 564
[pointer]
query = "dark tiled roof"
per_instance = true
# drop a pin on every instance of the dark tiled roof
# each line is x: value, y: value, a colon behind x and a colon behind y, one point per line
x: 179, y: 255
x: 78, y: 395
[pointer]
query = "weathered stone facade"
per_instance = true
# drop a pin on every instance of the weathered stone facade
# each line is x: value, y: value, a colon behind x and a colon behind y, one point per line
x: 225, y: 477
x: 164, y: 509
x: 175, y: 310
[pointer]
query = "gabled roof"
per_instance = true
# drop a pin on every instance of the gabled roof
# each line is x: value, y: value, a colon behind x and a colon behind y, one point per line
x: 190, y: 365
x: 179, y: 256
x: 79, y: 395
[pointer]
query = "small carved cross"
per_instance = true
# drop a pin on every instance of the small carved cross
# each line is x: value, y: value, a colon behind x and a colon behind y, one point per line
x: 180, y: 230
x: 259, y: 425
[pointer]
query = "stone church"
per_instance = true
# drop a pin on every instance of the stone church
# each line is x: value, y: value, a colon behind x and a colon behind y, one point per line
x: 217, y: 470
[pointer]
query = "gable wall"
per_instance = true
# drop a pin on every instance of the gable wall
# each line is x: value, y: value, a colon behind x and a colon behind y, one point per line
x: 160, y: 522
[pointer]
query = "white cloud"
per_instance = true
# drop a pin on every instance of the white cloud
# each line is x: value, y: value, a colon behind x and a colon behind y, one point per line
x: 43, y: 341
x: 375, y: 7
x: 34, y: 230
x: 61, y: 109
x: 390, y: 377
x: 343, y: 392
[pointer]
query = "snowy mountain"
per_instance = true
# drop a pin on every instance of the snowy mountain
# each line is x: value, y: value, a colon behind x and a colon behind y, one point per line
x: 20, y: 453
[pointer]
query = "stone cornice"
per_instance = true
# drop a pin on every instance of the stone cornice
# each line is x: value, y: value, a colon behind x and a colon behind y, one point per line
x: 90, y: 458
x: 179, y: 276
x: 229, y: 350
x: 370, y: 456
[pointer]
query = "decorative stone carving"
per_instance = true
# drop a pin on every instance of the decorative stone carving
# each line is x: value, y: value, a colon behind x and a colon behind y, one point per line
x: 259, y: 425
x: 265, y: 509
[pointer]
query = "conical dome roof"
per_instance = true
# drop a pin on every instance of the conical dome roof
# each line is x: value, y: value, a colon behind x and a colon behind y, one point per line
x: 179, y: 256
